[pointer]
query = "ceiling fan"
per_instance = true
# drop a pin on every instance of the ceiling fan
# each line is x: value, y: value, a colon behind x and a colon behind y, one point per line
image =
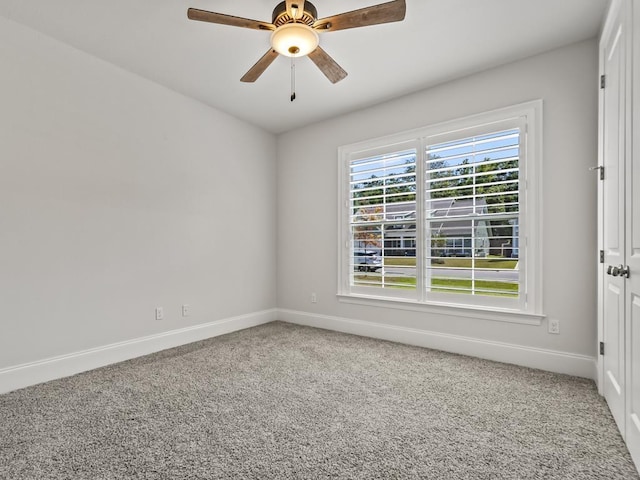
x: 295, y: 26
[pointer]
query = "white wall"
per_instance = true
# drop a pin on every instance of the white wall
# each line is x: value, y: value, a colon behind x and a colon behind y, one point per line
x: 117, y: 196
x: 566, y: 80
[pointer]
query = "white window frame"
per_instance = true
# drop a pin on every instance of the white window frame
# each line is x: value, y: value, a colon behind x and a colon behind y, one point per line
x: 528, y: 309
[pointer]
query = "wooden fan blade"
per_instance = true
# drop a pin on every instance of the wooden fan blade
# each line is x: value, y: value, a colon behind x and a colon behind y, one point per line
x: 327, y: 65
x: 298, y: 6
x: 383, y: 13
x: 261, y: 65
x: 221, y: 18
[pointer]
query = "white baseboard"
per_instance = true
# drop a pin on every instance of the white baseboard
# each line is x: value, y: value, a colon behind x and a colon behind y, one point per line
x: 549, y: 360
x: 20, y: 376
x: 24, y: 375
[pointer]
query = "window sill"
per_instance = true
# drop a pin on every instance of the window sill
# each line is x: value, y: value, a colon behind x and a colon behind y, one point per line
x: 494, y: 314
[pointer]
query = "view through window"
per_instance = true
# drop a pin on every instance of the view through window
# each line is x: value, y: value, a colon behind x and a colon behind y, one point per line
x: 441, y: 218
x: 472, y: 209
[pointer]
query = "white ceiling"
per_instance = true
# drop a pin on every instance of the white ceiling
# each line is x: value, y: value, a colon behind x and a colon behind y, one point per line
x: 438, y: 41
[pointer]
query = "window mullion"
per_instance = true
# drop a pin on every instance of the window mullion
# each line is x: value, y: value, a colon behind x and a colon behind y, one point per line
x: 422, y: 238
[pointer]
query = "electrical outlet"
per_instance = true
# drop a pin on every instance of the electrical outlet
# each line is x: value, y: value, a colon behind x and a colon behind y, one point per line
x: 186, y: 310
x: 554, y: 326
x: 314, y: 298
x: 159, y: 313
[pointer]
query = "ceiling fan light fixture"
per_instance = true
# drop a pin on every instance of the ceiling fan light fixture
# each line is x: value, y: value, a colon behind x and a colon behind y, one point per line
x: 294, y: 39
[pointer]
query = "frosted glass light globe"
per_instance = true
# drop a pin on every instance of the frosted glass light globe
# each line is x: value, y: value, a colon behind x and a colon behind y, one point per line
x: 294, y: 39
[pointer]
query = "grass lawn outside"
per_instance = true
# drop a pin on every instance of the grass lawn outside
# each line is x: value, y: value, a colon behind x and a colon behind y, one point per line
x: 493, y: 263
x: 483, y: 287
x: 448, y: 285
x: 399, y: 261
x: 389, y: 282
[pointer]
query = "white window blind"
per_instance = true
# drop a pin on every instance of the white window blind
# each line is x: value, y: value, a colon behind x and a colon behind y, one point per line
x: 447, y: 215
x: 382, y: 191
x: 472, y: 204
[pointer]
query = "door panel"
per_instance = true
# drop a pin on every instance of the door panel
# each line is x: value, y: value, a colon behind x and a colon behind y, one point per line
x: 614, y: 358
x: 633, y: 379
x: 613, y: 223
x: 612, y: 163
x: 632, y: 223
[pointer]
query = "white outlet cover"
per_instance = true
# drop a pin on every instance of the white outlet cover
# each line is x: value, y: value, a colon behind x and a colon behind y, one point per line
x: 159, y: 313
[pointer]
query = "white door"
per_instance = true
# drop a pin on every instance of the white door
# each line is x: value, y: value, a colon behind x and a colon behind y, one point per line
x: 613, y: 197
x: 632, y: 253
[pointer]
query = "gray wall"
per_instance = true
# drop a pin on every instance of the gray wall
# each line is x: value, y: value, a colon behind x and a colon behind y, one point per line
x: 566, y: 80
x: 117, y: 196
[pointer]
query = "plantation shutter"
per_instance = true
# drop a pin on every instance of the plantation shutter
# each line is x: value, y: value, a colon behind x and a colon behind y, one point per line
x: 446, y: 218
x: 472, y: 202
x: 382, y: 206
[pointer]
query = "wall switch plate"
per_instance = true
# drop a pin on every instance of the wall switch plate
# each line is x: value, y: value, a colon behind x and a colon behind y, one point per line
x: 554, y: 326
x: 314, y: 298
x: 186, y: 310
x: 159, y: 313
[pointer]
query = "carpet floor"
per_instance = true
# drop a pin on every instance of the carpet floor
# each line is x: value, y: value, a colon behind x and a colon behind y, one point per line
x: 281, y: 401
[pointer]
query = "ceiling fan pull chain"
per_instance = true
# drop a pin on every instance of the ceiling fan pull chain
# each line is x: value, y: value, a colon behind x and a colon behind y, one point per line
x: 293, y: 78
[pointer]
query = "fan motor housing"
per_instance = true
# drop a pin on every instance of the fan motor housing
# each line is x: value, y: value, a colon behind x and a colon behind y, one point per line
x: 281, y: 17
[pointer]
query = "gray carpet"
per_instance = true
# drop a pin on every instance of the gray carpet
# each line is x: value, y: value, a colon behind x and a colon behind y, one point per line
x: 284, y: 401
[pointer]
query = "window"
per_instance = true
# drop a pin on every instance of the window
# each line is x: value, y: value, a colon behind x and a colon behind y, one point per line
x: 450, y: 212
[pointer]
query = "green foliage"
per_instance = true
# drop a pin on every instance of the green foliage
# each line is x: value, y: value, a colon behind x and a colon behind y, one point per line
x: 399, y: 187
x: 498, y: 182
x: 366, y: 193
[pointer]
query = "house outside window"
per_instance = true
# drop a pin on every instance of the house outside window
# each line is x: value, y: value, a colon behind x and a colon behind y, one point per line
x: 451, y: 210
